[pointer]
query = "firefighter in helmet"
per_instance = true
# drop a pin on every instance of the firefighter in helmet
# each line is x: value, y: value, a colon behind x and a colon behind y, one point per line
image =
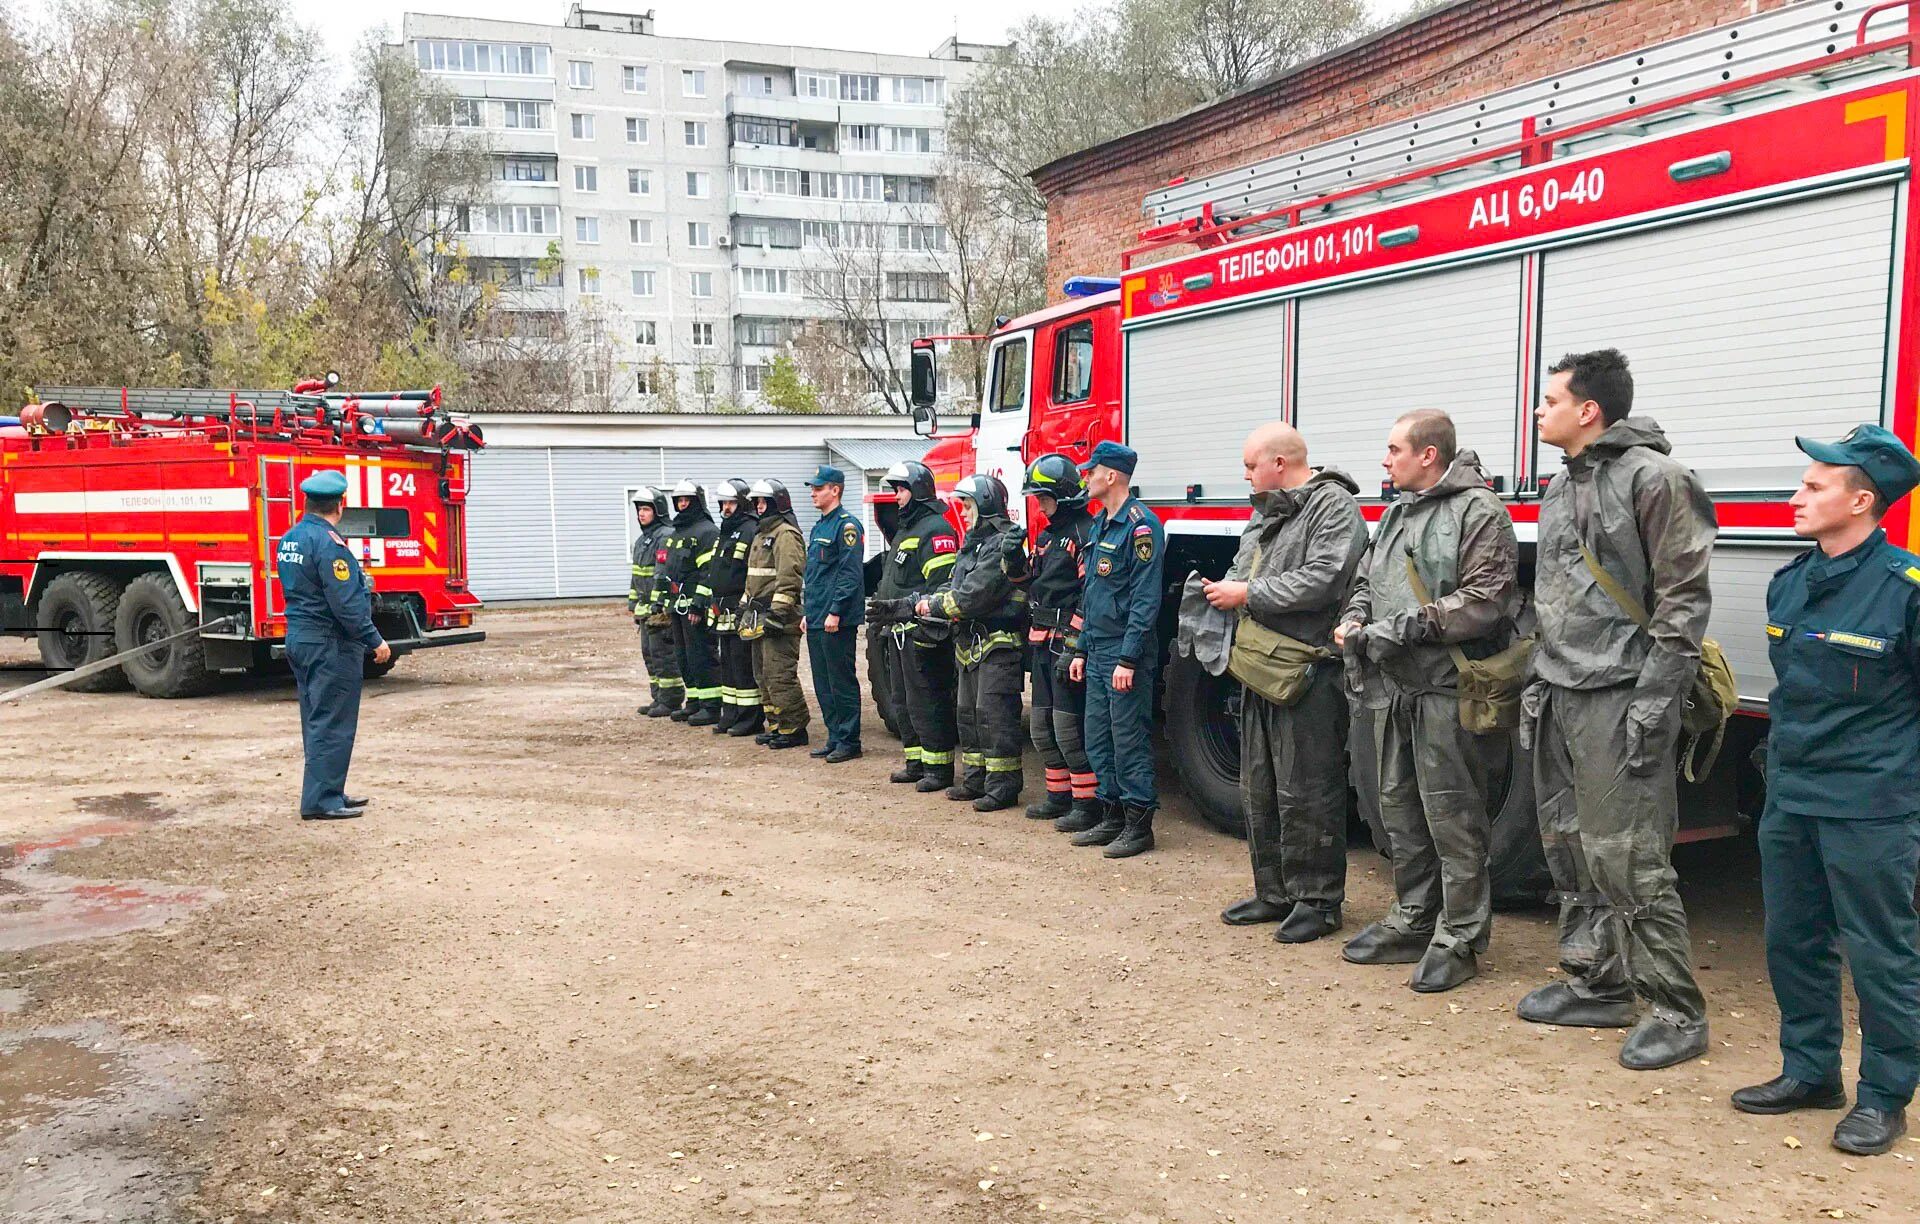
x: 922, y: 548
x: 643, y: 600
x: 687, y: 592
x: 1055, y: 577
x: 775, y: 567
x: 988, y: 611
x: 739, y: 695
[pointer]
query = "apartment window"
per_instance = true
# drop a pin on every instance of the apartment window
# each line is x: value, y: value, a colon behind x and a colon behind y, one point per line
x: 589, y: 281
x: 530, y: 116
x: 579, y: 74
x: 506, y: 219
x: 494, y: 59
x: 586, y: 229
x: 703, y: 335
x: 764, y: 132
x: 695, y: 134
x: 633, y: 79
x: 921, y: 237
x: 699, y: 234
x: 909, y: 189
x: 645, y: 333
x: 643, y: 381
x: 816, y: 85
x: 819, y: 233
x: 525, y: 170
x: 862, y: 187
x: 916, y: 287
x: 640, y: 231
x: 693, y: 82
x: 755, y: 84
x: 860, y: 235
x: 859, y: 87
x: 640, y: 182
x: 593, y: 382
x: 909, y: 140
x: 703, y: 377
x: 469, y: 113
x: 860, y: 138
x: 763, y: 332
x: 700, y: 284
x: 637, y: 131
x: 642, y: 284
x: 771, y: 282
x: 919, y: 91
x: 766, y: 232
x: 582, y: 126
x: 586, y: 178
x: 699, y: 184
x: 752, y: 378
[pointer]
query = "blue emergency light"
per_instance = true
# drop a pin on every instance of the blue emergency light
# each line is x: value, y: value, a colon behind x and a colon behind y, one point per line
x: 1089, y: 286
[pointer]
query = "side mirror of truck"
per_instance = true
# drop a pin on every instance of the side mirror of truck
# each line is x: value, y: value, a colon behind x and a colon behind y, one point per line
x: 923, y: 389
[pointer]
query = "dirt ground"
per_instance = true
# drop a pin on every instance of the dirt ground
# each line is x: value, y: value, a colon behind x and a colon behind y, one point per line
x: 581, y: 966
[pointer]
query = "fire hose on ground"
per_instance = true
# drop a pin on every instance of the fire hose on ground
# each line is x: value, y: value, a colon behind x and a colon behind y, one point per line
x: 111, y: 661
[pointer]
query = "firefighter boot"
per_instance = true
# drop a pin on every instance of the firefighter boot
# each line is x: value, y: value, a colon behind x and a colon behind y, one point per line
x: 934, y: 778
x: 707, y: 715
x: 683, y: 713
x: 1003, y: 790
x: 1136, y: 837
x: 1084, y: 814
x: 971, y: 784
x: 1113, y: 822
x: 752, y: 721
x: 1053, y: 805
x: 912, y: 771
x: 729, y: 715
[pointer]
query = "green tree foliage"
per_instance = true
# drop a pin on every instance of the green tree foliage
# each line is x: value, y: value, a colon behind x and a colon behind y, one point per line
x: 783, y: 388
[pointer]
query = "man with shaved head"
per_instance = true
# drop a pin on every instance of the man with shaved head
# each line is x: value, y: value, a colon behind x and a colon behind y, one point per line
x: 1292, y: 572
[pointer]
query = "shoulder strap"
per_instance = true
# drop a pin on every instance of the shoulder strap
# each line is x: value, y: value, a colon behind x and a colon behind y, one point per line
x: 1421, y: 593
x: 1614, y: 590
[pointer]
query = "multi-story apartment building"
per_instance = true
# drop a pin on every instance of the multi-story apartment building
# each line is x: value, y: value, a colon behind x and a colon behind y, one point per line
x: 691, y: 204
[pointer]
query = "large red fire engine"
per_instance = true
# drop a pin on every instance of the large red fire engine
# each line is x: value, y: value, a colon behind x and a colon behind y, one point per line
x: 129, y: 516
x: 1731, y: 209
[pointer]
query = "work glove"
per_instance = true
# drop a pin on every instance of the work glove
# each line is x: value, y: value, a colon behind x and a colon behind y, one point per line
x: 883, y: 611
x: 1013, y: 553
x: 1533, y: 699
x: 1653, y: 714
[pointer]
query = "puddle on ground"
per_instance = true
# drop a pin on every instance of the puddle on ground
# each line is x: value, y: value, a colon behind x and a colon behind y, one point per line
x: 141, y: 806
x: 42, y: 1075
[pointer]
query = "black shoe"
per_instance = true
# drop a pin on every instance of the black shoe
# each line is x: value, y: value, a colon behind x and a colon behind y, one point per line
x: 789, y: 739
x: 1085, y: 814
x: 761, y: 736
x: 1444, y: 968
x: 345, y: 813
x: 1307, y: 923
x: 660, y: 709
x: 934, y: 780
x: 1052, y: 806
x: 1253, y: 911
x: 702, y: 718
x: 1135, y: 838
x: 845, y: 752
x: 910, y: 772
x: 823, y: 750
x: 1784, y: 1094
x: 1655, y: 1043
x: 995, y: 803
x: 681, y: 714
x: 1559, y: 1003
x: 1379, y: 944
x: 755, y: 727
x: 960, y: 792
x: 1866, y: 1131
x: 1111, y: 824
x: 726, y: 722
x: 356, y: 801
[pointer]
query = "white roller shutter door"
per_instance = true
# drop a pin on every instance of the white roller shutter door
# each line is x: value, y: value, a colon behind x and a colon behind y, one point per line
x: 510, y: 552
x: 1447, y: 340
x: 1195, y: 389
x: 1742, y: 330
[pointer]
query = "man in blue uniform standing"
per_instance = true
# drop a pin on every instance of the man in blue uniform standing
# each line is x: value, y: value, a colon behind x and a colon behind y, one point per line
x: 835, y: 597
x: 1119, y: 651
x: 330, y: 633
x: 1840, y: 836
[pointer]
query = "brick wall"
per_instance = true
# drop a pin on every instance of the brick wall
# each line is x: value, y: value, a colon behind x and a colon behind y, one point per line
x: 1094, y: 197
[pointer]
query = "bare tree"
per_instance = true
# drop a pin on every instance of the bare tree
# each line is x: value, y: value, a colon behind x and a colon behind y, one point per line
x: 999, y: 263
x: 859, y: 295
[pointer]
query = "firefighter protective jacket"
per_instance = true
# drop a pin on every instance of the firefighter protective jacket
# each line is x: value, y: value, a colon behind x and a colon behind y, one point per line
x: 776, y: 566
x: 683, y: 574
x: 989, y: 610
x: 1058, y: 574
x: 728, y: 573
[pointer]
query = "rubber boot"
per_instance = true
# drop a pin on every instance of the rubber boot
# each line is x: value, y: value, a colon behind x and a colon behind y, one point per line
x: 1559, y: 1003
x: 1003, y: 792
x: 1084, y: 814
x: 729, y: 715
x: 970, y: 785
x: 1052, y: 806
x: 1657, y: 1042
x: 752, y: 721
x: 912, y: 771
x: 1306, y: 923
x: 1113, y: 822
x: 707, y: 715
x: 1380, y: 944
x: 934, y: 778
x: 1136, y: 837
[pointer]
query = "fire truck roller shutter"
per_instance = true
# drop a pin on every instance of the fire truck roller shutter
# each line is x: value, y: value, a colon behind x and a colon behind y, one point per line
x: 1743, y: 329
x: 1195, y: 388
x: 1447, y: 340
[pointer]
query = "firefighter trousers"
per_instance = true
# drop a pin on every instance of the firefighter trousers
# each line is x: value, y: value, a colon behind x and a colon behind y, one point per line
x: 1054, y: 723
x: 776, y: 667
x: 988, y: 707
x: 699, y: 665
x: 663, y: 665
x: 739, y: 691
x: 1608, y: 833
x: 1293, y: 788
x: 923, y: 703
x: 1433, y: 802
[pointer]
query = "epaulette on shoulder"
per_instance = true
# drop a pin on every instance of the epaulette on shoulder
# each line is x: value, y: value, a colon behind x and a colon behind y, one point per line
x: 1135, y: 513
x: 1906, y: 565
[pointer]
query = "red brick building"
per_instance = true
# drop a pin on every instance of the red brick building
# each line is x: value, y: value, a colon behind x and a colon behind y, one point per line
x: 1466, y: 49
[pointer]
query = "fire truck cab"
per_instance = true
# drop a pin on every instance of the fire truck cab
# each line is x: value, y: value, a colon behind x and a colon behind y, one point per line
x: 1731, y: 209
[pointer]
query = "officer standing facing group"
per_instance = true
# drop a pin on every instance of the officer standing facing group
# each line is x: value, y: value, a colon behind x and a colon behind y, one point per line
x: 835, y: 605
x: 330, y: 636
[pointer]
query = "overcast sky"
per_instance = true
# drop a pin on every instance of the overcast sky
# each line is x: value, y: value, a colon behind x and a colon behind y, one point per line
x: 912, y: 28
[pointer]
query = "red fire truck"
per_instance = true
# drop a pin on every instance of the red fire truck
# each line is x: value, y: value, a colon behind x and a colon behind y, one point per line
x: 1731, y: 209
x: 128, y: 516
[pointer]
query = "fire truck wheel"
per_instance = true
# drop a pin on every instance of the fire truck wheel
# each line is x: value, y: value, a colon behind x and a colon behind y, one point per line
x: 1202, y: 714
x: 76, y: 614
x: 150, y: 610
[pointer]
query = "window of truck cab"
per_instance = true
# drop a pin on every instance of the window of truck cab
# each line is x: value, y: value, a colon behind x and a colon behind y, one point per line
x: 1009, y: 380
x: 1073, y: 363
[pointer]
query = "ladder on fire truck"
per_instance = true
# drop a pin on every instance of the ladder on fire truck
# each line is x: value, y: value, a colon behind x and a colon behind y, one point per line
x: 1798, y: 49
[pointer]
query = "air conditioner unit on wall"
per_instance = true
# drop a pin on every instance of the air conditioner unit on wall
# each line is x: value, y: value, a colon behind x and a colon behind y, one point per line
x: 725, y: 240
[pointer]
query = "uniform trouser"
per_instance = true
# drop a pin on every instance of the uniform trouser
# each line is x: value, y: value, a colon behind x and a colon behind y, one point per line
x: 776, y: 666
x: 1608, y: 834
x: 1293, y: 788
x: 1834, y: 883
x: 836, y: 686
x: 1054, y: 722
x: 1119, y: 733
x: 1433, y: 802
x: 739, y: 691
x: 699, y: 664
x: 894, y: 647
x: 663, y: 664
x: 988, y: 704
x: 327, y: 673
x: 926, y: 696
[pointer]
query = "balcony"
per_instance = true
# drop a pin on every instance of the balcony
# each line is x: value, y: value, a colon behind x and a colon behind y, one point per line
x: 806, y: 110
x: 521, y: 140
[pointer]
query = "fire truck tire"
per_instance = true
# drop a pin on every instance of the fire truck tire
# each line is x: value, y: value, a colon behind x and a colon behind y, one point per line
x: 1203, y: 738
x: 151, y: 609
x: 77, y: 612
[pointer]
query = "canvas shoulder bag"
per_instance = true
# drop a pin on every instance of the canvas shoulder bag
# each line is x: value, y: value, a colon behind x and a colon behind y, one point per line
x: 1490, y: 688
x: 1275, y: 666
